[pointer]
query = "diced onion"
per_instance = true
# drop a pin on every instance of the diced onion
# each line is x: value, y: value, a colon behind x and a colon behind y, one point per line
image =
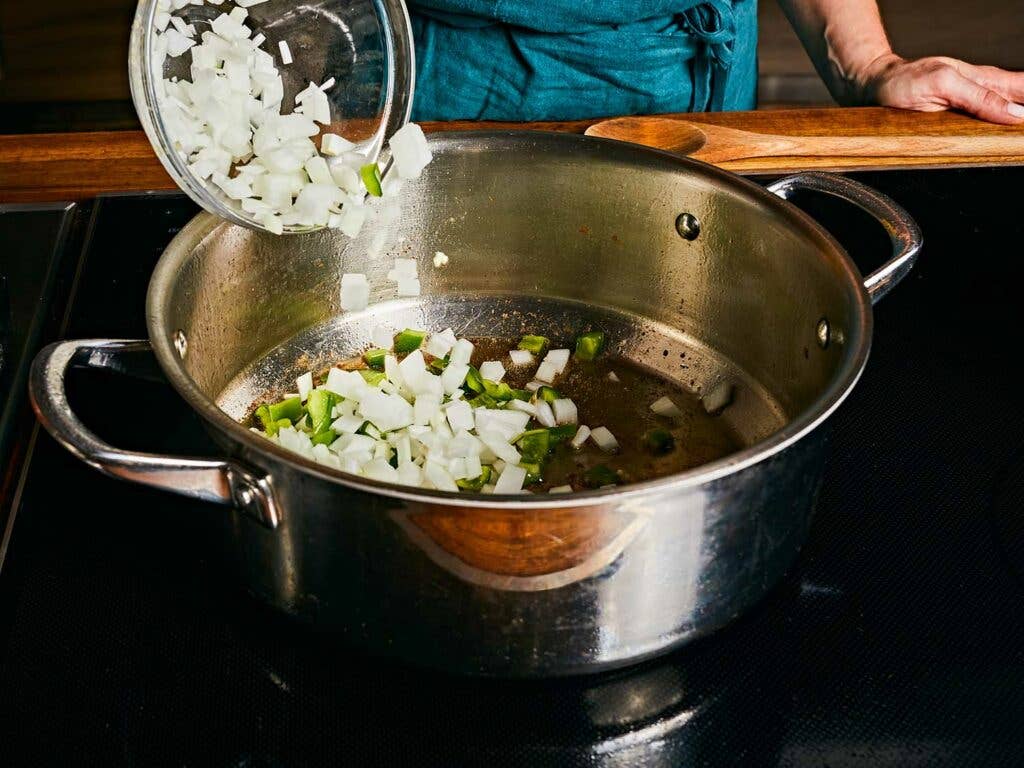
x: 511, y: 480
x: 501, y: 447
x: 718, y: 397
x: 462, y: 352
x: 425, y: 409
x: 559, y: 359
x: 664, y: 406
x: 305, y: 385
x: 409, y: 474
x: 604, y: 440
x: 286, y: 53
x: 355, y: 292
x: 460, y: 415
x: 440, y: 344
x: 520, y: 405
x: 561, y: 489
x: 409, y: 151
x: 382, y: 337
x: 508, y: 424
x: 403, y: 268
x: 415, y: 426
x: 457, y: 468
x: 520, y: 357
x: 581, y: 437
x: 473, y: 466
x: 453, y: 376
x: 380, y: 469
x: 439, y: 477
x: 332, y: 145
x: 408, y: 287
x: 565, y: 411
x: 546, y: 373
x: 545, y: 416
x: 492, y: 370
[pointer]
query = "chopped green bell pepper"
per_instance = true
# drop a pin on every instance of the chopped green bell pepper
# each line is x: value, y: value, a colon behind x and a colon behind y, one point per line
x: 375, y: 358
x: 369, y: 430
x: 484, y: 401
x: 534, y: 444
x: 325, y: 437
x: 371, y: 377
x: 563, y: 433
x: 474, y: 380
x: 500, y: 391
x: 264, y: 419
x: 600, y: 476
x: 271, y: 426
x: 370, y: 175
x: 290, y: 409
x: 589, y: 345
x: 534, y: 471
x: 538, y: 345
x: 408, y: 341
x: 548, y: 394
x: 659, y: 441
x: 319, y: 405
x: 475, y: 483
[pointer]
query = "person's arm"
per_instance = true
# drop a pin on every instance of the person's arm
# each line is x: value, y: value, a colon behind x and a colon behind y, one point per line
x: 848, y: 45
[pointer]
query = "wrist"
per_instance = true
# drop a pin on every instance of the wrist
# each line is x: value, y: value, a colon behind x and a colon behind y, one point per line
x: 856, y: 59
x: 865, y: 80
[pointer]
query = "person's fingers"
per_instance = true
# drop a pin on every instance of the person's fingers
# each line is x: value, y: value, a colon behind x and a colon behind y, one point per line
x: 965, y: 94
x: 1009, y: 85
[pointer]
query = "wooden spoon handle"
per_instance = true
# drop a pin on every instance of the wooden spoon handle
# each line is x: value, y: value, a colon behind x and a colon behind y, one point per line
x: 766, y: 145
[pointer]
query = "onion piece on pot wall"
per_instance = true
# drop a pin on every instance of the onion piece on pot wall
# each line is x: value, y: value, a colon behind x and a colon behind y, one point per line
x: 664, y: 406
x: 718, y: 397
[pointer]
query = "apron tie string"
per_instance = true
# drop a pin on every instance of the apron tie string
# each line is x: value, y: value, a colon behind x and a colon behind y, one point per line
x: 713, y: 25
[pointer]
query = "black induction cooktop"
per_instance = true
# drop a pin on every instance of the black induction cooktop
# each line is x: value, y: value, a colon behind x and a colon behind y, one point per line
x: 897, y: 639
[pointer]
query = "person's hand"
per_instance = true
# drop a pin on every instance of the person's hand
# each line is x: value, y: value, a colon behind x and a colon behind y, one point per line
x: 938, y: 83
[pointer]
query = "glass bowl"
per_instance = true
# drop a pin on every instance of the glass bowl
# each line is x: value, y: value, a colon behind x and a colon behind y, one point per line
x: 365, y: 45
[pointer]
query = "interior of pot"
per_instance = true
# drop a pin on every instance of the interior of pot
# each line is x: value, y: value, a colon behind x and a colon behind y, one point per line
x: 549, y: 234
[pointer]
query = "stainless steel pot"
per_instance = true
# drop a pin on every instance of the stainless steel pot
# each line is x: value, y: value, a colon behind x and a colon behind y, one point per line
x: 695, y: 273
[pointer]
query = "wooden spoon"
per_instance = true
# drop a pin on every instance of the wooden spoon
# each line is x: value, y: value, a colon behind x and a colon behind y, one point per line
x: 717, y: 144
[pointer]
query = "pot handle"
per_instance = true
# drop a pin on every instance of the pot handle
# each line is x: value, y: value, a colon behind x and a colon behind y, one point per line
x: 219, y: 480
x: 903, y: 231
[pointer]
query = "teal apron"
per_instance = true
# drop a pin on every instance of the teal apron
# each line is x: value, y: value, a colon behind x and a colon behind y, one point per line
x: 575, y: 59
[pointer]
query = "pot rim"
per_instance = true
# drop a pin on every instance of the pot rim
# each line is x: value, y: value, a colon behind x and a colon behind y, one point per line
x: 857, y: 343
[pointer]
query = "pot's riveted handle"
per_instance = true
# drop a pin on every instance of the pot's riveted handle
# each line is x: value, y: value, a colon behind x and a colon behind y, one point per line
x: 902, y: 229
x: 219, y: 480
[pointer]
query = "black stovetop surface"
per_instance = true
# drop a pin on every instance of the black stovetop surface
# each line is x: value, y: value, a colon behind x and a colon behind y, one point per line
x: 898, y: 638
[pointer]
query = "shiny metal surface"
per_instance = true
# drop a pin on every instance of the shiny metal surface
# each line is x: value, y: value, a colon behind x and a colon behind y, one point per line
x: 544, y: 231
x: 903, y: 231
x: 222, y: 482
